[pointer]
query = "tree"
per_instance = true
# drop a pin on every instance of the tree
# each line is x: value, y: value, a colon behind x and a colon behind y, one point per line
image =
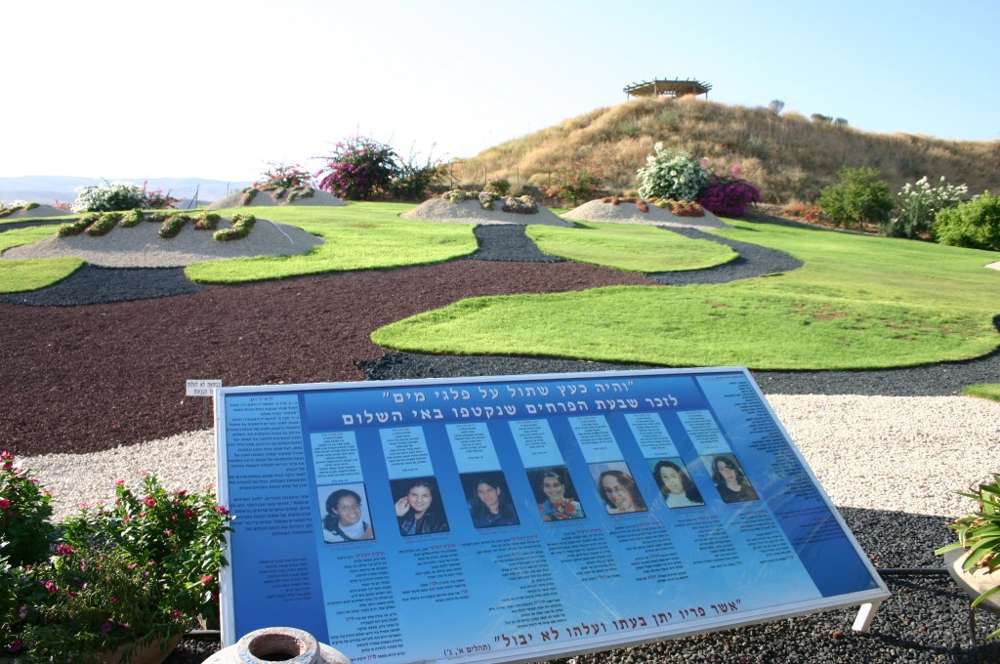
x: 859, y: 196
x: 776, y: 106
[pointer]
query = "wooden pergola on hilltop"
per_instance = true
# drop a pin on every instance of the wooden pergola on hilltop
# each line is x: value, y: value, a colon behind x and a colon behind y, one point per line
x: 668, y: 88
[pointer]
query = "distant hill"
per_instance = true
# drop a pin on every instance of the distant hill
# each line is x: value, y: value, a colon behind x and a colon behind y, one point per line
x: 52, y: 188
x: 789, y: 156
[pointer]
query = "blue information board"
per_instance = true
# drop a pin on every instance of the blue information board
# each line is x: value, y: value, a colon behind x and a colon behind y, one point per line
x: 522, y: 517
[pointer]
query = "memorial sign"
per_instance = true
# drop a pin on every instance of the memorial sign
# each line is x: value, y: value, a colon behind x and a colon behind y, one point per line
x: 523, y: 517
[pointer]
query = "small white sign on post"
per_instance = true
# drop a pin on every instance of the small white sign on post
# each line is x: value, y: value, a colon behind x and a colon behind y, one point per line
x: 201, y: 388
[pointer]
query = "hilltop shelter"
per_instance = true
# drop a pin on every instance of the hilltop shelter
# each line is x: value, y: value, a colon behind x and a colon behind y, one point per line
x: 667, y: 87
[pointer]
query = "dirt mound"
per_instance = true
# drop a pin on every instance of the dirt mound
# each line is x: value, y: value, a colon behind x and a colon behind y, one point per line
x: 629, y: 213
x: 39, y: 211
x: 266, y: 198
x: 142, y: 246
x: 471, y: 212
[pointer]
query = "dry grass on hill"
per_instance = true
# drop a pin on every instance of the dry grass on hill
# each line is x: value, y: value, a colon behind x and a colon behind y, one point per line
x: 789, y: 156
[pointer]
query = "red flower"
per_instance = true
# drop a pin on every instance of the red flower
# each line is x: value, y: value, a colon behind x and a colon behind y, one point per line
x: 50, y: 586
x: 207, y: 579
x: 4, y: 503
x: 64, y: 549
x: 221, y: 509
x: 150, y: 501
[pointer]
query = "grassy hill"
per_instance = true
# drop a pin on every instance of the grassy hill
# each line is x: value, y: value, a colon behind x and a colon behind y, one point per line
x: 789, y: 156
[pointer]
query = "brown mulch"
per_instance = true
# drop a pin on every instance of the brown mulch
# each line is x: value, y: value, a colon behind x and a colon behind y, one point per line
x: 87, y: 378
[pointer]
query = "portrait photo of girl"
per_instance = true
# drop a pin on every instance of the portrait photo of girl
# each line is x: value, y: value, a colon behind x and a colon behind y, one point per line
x: 489, y: 500
x: 617, y: 488
x: 731, y: 482
x: 345, y: 514
x: 676, y: 486
x: 554, y: 493
x: 418, y: 506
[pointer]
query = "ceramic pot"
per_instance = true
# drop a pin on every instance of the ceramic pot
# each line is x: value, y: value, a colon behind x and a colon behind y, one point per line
x: 973, y: 583
x: 278, y: 645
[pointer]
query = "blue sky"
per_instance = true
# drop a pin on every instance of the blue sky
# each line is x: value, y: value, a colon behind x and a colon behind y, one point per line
x: 217, y: 89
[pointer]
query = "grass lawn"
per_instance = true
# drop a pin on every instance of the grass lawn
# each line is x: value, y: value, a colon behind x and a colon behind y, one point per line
x: 358, y: 236
x: 985, y: 390
x: 859, y: 302
x: 26, y: 275
x: 636, y: 248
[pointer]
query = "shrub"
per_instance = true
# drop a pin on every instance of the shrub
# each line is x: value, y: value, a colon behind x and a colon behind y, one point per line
x: 671, y: 174
x: 131, y: 218
x: 109, y: 198
x: 25, y: 509
x: 500, y: 186
x: 486, y: 199
x: 686, y: 209
x: 142, y: 570
x: 575, y: 187
x: 207, y: 221
x: 458, y: 195
x: 412, y: 180
x: 284, y: 176
x: 242, y: 225
x: 300, y: 192
x: 918, y: 205
x: 172, y: 225
x: 859, y: 196
x: 520, y: 205
x: 359, y: 169
x: 157, y: 200
x: 247, y: 196
x: 78, y: 226
x: 807, y: 211
x: 103, y: 224
x: 728, y: 195
x: 974, y: 223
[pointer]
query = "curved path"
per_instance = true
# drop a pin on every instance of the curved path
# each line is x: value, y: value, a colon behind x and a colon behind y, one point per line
x: 93, y: 377
x: 509, y: 243
x: 753, y: 261
x: 92, y: 284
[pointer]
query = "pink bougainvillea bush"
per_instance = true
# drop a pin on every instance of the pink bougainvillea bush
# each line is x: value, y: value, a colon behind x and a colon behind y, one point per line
x: 359, y: 169
x: 728, y: 195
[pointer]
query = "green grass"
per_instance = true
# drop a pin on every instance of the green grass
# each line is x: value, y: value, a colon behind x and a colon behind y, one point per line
x: 859, y: 302
x: 636, y: 248
x: 985, y: 390
x: 25, y: 275
x: 358, y: 236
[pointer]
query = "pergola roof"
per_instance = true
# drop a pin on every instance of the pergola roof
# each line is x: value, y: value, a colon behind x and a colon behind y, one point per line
x: 668, y: 86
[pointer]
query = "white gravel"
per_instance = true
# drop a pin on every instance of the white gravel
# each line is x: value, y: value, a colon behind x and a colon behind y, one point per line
x: 906, y: 454
x: 994, y: 266
x: 629, y: 213
x: 265, y: 199
x: 471, y: 212
x: 141, y: 246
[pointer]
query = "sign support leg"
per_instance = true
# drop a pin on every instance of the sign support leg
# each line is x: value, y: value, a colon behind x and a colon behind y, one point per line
x: 866, y: 614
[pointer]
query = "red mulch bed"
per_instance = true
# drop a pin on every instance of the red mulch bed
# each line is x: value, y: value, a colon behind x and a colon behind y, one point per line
x: 88, y: 378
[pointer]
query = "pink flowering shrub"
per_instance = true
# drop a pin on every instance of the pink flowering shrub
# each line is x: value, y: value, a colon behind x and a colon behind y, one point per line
x: 728, y: 195
x: 359, y: 169
x: 284, y: 176
x: 25, y: 510
x: 137, y: 571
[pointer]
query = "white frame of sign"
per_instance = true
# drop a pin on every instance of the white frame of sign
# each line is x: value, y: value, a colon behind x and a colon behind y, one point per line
x: 867, y: 601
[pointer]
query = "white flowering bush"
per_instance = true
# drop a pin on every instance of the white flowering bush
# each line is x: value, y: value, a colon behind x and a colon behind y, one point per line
x: 672, y: 175
x: 918, y: 204
x: 109, y: 198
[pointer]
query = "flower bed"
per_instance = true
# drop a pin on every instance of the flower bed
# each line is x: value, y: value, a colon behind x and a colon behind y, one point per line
x: 114, y: 578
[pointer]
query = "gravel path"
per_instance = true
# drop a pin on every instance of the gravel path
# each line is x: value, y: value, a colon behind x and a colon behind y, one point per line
x: 100, y: 285
x: 509, y: 243
x: 753, y: 261
x: 87, y: 378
